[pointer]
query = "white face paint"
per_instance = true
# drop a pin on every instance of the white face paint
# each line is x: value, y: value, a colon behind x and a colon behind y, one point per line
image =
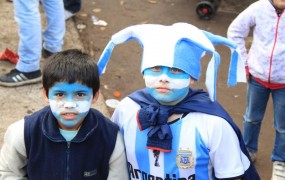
x: 167, y: 85
x: 70, y: 103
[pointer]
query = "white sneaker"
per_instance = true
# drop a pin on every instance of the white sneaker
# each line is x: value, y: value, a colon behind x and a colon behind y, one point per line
x: 68, y: 14
x: 278, y: 172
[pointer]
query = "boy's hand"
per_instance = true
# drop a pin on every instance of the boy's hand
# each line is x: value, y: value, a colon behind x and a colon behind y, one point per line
x: 248, y: 78
x: 247, y: 74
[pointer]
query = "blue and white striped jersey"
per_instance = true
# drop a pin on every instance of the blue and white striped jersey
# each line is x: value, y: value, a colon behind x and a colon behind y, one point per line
x: 203, y: 146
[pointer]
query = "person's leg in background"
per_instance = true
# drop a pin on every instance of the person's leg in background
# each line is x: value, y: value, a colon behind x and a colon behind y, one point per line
x: 27, y: 70
x: 278, y: 153
x: 257, y: 98
x: 28, y: 17
x: 53, y: 35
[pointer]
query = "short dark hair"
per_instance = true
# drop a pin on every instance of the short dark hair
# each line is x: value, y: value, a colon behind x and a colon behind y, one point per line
x: 71, y: 66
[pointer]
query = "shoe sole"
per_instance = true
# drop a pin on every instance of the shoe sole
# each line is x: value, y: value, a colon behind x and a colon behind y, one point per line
x: 21, y: 83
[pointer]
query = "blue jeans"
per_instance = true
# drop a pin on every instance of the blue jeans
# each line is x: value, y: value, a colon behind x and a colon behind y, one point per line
x: 257, y: 98
x: 28, y: 17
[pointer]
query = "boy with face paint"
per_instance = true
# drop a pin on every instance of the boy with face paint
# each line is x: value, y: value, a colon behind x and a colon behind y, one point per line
x: 170, y: 130
x: 67, y: 139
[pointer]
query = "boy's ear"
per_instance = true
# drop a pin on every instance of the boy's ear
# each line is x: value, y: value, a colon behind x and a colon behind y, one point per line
x: 45, y: 95
x: 95, y: 98
x: 192, y: 81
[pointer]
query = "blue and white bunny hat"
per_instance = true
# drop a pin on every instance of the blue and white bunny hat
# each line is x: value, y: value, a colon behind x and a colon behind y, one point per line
x: 180, y: 45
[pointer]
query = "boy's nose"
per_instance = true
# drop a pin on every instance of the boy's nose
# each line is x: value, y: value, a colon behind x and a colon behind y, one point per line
x: 69, y: 104
x: 163, y: 78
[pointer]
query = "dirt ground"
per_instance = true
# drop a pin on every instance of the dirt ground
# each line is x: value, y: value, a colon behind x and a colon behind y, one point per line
x: 122, y: 73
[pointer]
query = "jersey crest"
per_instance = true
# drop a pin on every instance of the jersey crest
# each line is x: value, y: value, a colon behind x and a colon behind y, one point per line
x: 185, y: 159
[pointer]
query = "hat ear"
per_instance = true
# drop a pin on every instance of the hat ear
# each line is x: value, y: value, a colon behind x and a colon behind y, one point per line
x: 104, y: 58
x: 211, y: 75
x: 236, y: 69
x: 118, y: 38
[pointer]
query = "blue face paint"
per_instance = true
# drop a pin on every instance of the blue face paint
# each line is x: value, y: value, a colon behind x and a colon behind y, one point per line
x: 70, y: 103
x: 167, y: 85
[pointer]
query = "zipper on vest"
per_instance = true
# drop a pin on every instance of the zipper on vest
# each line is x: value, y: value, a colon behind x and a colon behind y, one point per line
x: 67, y: 161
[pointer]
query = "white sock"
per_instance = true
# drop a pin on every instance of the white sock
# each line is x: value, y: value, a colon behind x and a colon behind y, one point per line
x: 68, y: 14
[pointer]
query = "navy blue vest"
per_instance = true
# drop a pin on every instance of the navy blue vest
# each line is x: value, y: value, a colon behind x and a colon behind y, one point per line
x: 85, y: 157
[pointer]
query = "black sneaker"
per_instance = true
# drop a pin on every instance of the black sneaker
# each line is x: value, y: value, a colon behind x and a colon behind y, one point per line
x: 16, y: 78
x: 46, y: 53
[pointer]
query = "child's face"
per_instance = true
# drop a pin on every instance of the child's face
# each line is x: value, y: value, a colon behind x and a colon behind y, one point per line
x: 167, y: 85
x: 280, y: 4
x: 70, y: 103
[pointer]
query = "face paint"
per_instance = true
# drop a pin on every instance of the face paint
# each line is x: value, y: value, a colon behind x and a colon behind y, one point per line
x: 70, y: 103
x: 167, y: 85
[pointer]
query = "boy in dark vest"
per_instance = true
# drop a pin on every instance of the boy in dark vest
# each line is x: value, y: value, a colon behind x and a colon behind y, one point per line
x: 66, y: 139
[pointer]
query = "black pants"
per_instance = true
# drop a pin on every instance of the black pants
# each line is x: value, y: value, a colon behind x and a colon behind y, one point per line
x: 73, y: 6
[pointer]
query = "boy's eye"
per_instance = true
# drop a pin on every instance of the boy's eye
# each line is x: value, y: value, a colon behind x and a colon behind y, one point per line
x: 80, y: 94
x: 59, y: 94
x: 175, y: 70
x: 156, y: 68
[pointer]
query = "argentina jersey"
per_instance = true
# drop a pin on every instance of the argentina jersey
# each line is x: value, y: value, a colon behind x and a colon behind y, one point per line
x: 200, y: 142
